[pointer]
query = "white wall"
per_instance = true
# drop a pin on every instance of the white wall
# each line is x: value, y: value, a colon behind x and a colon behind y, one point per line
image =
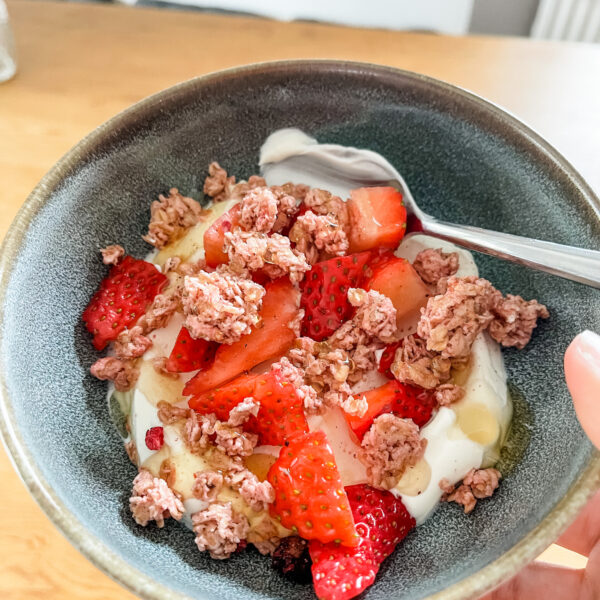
x: 503, y: 17
x: 448, y: 16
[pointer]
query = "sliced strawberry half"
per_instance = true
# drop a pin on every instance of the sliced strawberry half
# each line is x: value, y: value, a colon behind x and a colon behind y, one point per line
x: 380, y: 517
x: 340, y: 573
x: 214, y: 236
x: 221, y: 400
x: 309, y: 495
x: 281, y: 413
x: 122, y: 298
x: 377, y: 218
x: 325, y: 293
x: 396, y: 278
x: 270, y: 338
x: 405, y: 401
x: 189, y: 354
x: 382, y: 522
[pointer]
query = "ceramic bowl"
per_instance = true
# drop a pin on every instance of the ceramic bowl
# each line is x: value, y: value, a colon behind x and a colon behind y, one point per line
x: 465, y: 160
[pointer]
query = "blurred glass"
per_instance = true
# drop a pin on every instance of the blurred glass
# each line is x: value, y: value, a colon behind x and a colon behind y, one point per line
x: 8, y: 60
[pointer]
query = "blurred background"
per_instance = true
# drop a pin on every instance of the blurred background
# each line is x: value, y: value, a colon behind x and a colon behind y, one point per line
x: 571, y: 20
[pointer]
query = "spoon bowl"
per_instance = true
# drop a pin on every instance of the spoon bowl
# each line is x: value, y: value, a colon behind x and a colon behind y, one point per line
x: 345, y: 168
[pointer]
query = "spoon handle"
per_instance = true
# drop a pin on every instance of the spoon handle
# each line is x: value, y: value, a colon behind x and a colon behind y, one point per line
x: 577, y: 264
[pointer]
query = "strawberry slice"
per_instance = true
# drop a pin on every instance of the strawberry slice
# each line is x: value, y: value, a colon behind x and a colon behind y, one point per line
x: 270, y: 338
x: 377, y: 218
x: 281, y: 412
x: 382, y: 522
x: 396, y: 278
x: 189, y: 354
x: 379, y: 259
x: 214, y: 236
x: 221, y: 400
x: 122, y: 298
x: 340, y: 573
x: 387, y: 358
x: 325, y: 293
x: 309, y: 495
x: 406, y: 401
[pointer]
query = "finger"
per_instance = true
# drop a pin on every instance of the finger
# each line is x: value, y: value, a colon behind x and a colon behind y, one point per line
x: 539, y: 580
x: 591, y: 581
x: 584, y: 534
x: 582, y: 372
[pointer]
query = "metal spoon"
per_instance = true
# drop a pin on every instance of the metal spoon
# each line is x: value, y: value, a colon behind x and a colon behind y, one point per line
x: 345, y: 168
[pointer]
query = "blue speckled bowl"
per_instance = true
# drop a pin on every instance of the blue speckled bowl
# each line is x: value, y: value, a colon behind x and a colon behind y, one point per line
x: 464, y: 159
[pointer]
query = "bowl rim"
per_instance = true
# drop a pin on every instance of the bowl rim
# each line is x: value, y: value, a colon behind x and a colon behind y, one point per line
x: 472, y: 586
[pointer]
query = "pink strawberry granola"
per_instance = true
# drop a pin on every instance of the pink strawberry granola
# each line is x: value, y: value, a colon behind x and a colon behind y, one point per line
x: 515, y: 319
x: 153, y: 500
x: 433, y: 265
x: 220, y: 306
x: 170, y: 216
x: 322, y: 202
x: 219, y: 529
x: 476, y: 485
x: 318, y: 236
x: 221, y: 187
x: 390, y: 446
x: 267, y: 210
x: 272, y: 255
x: 123, y: 373
x: 111, y: 255
x: 207, y: 485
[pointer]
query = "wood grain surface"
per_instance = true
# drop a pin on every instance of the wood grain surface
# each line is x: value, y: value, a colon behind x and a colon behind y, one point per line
x: 79, y: 64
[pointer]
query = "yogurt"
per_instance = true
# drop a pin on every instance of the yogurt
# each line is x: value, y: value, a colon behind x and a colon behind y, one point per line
x: 466, y: 435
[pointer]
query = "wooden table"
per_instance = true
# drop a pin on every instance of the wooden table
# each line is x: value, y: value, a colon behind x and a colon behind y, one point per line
x: 79, y: 64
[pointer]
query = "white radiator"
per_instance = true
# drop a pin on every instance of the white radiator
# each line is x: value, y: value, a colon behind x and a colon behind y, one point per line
x: 570, y: 20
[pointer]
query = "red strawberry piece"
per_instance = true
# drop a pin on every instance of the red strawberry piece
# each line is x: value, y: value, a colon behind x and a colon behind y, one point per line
x: 380, y: 517
x: 387, y: 358
x: 221, y: 400
x: 406, y: 401
x: 325, y: 293
x: 382, y: 521
x: 270, y: 338
x: 396, y: 278
x: 379, y: 258
x: 214, y: 236
x: 155, y: 438
x: 377, y: 218
x: 122, y: 298
x: 339, y: 572
x: 189, y: 354
x: 281, y: 413
x: 309, y: 495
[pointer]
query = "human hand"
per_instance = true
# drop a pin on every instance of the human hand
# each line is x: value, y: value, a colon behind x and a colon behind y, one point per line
x: 582, y: 373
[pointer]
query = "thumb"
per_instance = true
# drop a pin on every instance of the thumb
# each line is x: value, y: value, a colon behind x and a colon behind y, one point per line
x: 582, y: 373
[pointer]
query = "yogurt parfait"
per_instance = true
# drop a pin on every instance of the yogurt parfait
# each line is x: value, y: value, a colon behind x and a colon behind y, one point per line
x: 290, y: 373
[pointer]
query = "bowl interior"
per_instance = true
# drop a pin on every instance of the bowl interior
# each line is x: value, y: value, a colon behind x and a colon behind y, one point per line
x: 464, y: 161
